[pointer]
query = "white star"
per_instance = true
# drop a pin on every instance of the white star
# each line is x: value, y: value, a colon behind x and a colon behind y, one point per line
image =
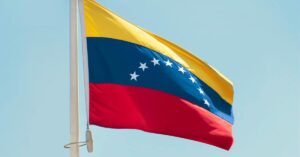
x: 168, y: 63
x: 143, y: 66
x: 201, y: 90
x: 181, y: 70
x: 155, y: 61
x: 192, y: 79
x: 206, y: 102
x: 134, y: 76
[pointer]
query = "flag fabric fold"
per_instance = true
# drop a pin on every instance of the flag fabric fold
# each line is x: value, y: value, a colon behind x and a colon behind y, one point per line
x: 139, y: 80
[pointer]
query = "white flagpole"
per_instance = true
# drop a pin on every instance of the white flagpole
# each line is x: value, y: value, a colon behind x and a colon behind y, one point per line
x: 74, y: 123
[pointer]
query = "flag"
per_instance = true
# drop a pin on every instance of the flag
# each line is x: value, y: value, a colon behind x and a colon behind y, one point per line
x: 138, y: 80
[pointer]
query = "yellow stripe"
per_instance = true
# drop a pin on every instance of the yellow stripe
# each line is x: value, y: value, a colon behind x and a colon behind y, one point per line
x: 101, y: 22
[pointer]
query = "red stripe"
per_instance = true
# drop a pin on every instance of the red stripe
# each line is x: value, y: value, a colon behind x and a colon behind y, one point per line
x: 119, y: 106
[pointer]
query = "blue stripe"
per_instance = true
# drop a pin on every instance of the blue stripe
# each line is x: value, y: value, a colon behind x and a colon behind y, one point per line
x: 112, y: 61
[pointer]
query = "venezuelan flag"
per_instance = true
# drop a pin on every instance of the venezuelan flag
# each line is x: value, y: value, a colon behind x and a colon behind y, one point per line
x: 139, y: 80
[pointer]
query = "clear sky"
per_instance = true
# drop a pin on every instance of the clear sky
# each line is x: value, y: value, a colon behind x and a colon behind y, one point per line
x: 255, y: 43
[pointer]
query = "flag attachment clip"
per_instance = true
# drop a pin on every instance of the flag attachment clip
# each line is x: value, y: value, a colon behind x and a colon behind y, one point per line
x: 88, y: 142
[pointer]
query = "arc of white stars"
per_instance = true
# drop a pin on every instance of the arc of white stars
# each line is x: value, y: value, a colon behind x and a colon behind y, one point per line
x: 155, y: 61
x: 143, y: 66
x: 134, y: 76
x: 192, y: 79
x: 181, y: 69
x: 168, y: 63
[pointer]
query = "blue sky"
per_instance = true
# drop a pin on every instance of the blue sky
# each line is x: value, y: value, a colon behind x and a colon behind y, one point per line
x: 255, y: 43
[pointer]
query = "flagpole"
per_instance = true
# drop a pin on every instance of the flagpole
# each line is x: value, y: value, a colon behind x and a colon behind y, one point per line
x: 74, y: 123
